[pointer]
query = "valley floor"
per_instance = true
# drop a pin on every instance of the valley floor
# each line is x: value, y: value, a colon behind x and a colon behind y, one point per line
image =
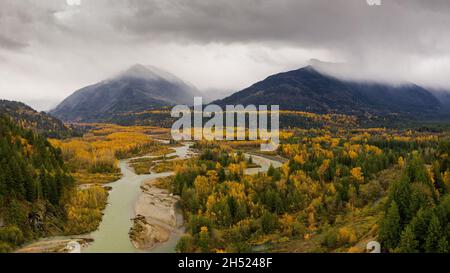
x: 323, y: 190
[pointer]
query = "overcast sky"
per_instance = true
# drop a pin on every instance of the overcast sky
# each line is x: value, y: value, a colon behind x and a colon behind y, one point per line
x: 48, y: 48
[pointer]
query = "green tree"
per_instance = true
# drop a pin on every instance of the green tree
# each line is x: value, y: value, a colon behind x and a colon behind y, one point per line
x: 268, y: 222
x: 434, y: 235
x: 420, y: 225
x: 443, y: 245
x: 390, y: 228
x: 438, y: 179
x: 408, y: 242
x: 400, y: 193
x: 271, y: 170
x: 185, y: 244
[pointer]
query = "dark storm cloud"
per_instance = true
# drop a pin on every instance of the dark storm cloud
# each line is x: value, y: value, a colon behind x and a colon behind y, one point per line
x: 347, y: 25
x: 416, y: 26
x: 379, y: 42
x: 230, y: 43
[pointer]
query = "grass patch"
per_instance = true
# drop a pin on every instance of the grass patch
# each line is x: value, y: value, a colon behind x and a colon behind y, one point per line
x: 83, y: 178
x: 143, y: 165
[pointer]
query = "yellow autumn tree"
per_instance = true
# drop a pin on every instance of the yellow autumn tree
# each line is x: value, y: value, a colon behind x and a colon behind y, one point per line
x: 299, y: 159
x: 202, y: 188
x: 323, y: 168
x: 346, y: 236
x: 401, y: 162
x: 352, y: 154
x: 357, y: 174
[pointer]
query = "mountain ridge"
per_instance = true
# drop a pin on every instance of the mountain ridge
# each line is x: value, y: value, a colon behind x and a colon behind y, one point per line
x: 307, y: 89
x: 39, y: 122
x: 137, y: 89
x: 142, y: 88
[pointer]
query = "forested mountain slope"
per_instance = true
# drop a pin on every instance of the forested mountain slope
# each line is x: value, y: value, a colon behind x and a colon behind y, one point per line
x: 39, y: 122
x: 33, y: 186
x: 307, y: 89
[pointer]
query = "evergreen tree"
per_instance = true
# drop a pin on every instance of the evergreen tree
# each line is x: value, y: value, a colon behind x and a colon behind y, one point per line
x: 408, y: 242
x: 271, y: 170
x: 443, y: 245
x: 434, y: 235
x: 268, y: 222
x: 420, y: 225
x: 400, y: 193
x: 438, y: 179
x: 390, y: 228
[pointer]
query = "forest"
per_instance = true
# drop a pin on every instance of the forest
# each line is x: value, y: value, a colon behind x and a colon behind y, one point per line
x: 41, y: 179
x: 339, y: 187
x: 93, y: 158
x: 34, y: 186
x: 339, y: 190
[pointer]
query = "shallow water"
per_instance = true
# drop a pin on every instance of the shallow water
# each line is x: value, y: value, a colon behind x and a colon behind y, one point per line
x: 112, y: 234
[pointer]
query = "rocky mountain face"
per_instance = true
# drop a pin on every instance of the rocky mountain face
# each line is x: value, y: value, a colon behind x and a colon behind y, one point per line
x: 137, y: 89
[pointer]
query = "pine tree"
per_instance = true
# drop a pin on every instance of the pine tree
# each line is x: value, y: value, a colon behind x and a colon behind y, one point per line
x: 268, y: 222
x: 221, y: 173
x: 438, y: 179
x: 271, y: 170
x: 390, y: 228
x: 434, y: 235
x: 443, y: 245
x: 400, y: 192
x: 420, y: 225
x: 408, y: 242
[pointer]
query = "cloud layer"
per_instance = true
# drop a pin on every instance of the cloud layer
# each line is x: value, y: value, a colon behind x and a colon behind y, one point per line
x: 49, y: 48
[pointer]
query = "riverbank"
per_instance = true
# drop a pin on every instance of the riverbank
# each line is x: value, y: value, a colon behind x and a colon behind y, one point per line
x: 113, y: 234
x: 54, y: 245
x: 157, y: 223
x: 139, y: 217
x: 155, y: 219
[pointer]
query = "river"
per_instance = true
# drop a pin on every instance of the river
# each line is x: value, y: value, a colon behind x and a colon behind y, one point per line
x: 112, y: 234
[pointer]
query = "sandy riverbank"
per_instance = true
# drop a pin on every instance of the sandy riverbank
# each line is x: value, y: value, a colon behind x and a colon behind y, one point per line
x: 53, y: 245
x: 155, y: 217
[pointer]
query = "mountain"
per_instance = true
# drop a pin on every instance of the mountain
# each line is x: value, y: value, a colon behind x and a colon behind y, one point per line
x: 444, y: 98
x: 39, y: 122
x: 306, y: 89
x: 137, y: 89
